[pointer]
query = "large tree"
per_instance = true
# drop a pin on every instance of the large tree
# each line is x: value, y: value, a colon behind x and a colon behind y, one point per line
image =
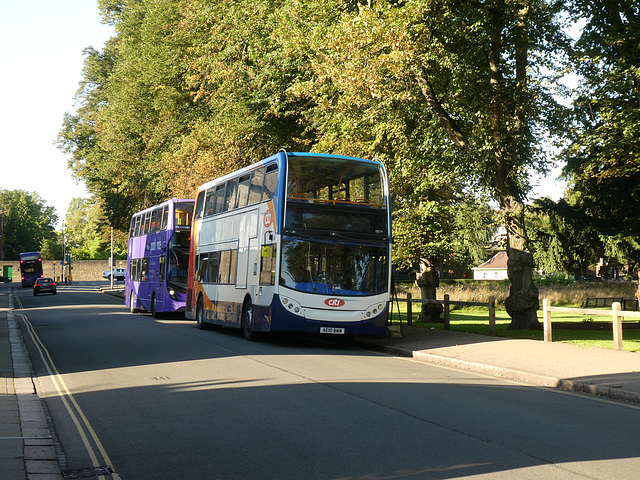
x: 563, y: 239
x: 28, y: 222
x: 455, y: 89
x: 603, y: 159
x: 87, y: 236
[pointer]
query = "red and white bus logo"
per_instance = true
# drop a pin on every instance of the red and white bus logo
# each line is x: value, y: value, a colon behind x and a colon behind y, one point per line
x: 334, y: 302
x: 267, y: 219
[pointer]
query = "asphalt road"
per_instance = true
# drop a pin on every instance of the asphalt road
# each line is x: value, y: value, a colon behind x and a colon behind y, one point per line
x: 160, y: 399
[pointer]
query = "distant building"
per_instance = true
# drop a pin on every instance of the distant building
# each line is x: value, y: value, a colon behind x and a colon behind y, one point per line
x: 493, y: 269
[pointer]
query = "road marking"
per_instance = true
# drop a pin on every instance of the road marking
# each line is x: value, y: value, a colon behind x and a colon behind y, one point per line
x: 75, y: 412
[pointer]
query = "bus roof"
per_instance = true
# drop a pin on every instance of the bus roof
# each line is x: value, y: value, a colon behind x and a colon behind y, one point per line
x: 166, y: 202
x: 274, y: 158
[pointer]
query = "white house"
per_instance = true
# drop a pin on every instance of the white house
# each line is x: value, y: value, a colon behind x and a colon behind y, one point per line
x: 493, y: 269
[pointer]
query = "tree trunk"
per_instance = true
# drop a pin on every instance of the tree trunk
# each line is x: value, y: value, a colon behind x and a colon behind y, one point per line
x: 522, y: 303
x: 428, y: 281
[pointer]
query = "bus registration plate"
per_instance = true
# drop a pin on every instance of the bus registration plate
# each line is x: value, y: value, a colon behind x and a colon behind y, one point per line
x: 333, y: 330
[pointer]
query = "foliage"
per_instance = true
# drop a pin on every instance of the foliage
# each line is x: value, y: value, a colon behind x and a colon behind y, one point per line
x: 86, y: 235
x: 51, y: 248
x: 603, y: 158
x: 562, y: 238
x: 475, y: 229
x: 455, y: 98
x: 28, y: 222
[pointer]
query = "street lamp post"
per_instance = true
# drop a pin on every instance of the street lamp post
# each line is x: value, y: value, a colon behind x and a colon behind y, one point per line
x: 111, y: 259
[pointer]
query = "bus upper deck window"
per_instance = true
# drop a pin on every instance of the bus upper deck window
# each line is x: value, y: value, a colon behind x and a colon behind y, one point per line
x: 219, y: 200
x: 270, y: 182
x: 230, y: 198
x: 243, y: 190
x: 200, y: 204
x: 255, y: 192
x: 209, y: 202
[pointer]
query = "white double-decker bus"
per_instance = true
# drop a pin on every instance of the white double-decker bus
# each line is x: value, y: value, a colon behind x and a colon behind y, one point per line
x: 298, y: 242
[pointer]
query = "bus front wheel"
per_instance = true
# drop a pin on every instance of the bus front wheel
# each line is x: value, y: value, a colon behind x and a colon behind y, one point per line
x: 154, y: 306
x: 247, y: 322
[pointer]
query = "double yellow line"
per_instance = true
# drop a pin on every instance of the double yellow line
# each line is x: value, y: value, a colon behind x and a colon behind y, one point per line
x: 94, y: 447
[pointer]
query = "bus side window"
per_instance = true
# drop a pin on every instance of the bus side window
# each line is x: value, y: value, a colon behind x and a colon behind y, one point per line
x: 133, y: 270
x: 136, y: 229
x: 255, y: 192
x: 270, y: 182
x: 225, y: 266
x: 147, y: 223
x: 200, y: 204
x: 210, y: 202
x: 165, y: 217
x: 154, y: 226
x: 234, y: 267
x: 268, y: 264
x: 214, y: 264
x: 230, y: 198
x: 220, y: 191
x: 161, y: 270
x: 201, y: 268
x: 144, y: 270
x: 243, y: 190
x: 132, y: 227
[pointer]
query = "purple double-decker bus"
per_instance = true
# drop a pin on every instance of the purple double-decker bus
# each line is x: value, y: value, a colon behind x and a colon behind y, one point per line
x: 158, y: 258
x: 30, y: 268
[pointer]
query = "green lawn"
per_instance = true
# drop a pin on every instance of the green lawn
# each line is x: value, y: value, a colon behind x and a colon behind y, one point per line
x: 595, y: 333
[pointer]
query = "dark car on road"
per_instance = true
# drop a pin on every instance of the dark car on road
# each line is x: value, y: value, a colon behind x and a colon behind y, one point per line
x: 44, y: 285
x: 6, y: 279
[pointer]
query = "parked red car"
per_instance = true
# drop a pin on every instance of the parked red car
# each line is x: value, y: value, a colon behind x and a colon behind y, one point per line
x: 44, y: 285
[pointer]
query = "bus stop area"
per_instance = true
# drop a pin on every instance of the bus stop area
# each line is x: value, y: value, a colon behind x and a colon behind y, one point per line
x: 27, y: 450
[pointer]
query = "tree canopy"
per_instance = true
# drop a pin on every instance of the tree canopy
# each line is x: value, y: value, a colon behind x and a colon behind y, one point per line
x: 28, y: 222
x: 457, y: 99
x: 603, y: 158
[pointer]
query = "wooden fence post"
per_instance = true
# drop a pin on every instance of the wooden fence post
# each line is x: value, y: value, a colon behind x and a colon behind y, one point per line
x: 546, y: 319
x: 492, y: 316
x: 447, y: 318
x: 617, y: 326
x: 409, y: 310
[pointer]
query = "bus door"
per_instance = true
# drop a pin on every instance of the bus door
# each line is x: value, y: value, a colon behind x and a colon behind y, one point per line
x: 160, y: 283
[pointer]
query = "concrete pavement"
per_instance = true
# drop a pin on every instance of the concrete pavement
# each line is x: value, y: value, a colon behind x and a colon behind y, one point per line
x: 599, y: 371
x: 27, y: 447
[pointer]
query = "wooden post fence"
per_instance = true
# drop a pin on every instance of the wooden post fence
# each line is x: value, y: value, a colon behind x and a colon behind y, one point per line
x: 491, y: 304
x: 447, y: 318
x: 616, y: 312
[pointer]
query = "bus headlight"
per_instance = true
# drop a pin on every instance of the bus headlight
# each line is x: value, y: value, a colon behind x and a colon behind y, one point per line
x: 374, y: 310
x: 292, y: 306
x: 172, y: 293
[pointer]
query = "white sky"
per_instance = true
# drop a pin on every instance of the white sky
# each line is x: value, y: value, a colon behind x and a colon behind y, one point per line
x: 41, y: 43
x: 41, y: 61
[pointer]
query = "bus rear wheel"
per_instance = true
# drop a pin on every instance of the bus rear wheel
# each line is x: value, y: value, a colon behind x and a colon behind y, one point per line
x: 132, y: 302
x: 247, y: 322
x: 202, y: 325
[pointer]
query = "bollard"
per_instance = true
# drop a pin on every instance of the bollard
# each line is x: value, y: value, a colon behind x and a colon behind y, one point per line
x: 546, y: 319
x: 447, y: 317
x: 409, y: 310
x: 492, y: 316
x: 617, y: 326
